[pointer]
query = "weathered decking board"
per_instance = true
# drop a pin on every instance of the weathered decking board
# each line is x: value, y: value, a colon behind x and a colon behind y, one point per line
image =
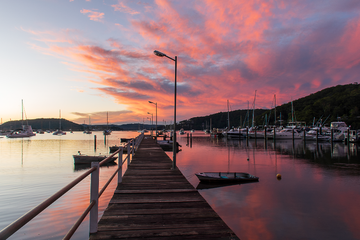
x: 157, y: 202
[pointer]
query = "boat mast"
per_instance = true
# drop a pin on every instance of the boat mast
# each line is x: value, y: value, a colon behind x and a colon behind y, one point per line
x: 228, y: 115
x: 292, y: 111
x: 275, y: 109
x: 253, y: 119
x: 248, y: 116
x: 22, y: 113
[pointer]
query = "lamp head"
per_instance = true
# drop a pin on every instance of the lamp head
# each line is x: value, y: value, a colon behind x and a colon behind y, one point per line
x: 159, y: 54
x: 150, y: 102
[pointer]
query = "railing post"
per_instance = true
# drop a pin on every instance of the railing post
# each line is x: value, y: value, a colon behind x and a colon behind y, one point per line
x: 133, y: 147
x: 128, y: 154
x: 94, y: 196
x: 120, y: 159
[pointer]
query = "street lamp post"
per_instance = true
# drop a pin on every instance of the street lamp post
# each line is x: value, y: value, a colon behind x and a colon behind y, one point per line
x: 156, y: 118
x: 152, y: 122
x: 160, y: 54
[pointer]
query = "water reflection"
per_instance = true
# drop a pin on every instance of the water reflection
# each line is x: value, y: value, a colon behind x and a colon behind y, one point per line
x: 316, y: 198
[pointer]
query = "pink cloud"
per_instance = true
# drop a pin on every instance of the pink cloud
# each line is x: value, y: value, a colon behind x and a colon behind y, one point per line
x: 121, y: 7
x: 93, y: 15
x: 225, y: 51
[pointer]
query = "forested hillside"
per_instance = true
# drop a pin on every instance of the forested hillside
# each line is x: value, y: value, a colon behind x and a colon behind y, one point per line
x: 341, y: 102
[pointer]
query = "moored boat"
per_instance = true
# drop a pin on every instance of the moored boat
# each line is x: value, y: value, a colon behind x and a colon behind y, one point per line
x: 59, y: 132
x: 26, y: 131
x: 181, y: 132
x: 226, y: 177
x: 167, y: 145
x: 113, y: 149
x: 85, y: 159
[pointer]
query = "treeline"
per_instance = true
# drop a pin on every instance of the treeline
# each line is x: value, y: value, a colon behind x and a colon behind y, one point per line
x: 66, y: 125
x: 331, y: 104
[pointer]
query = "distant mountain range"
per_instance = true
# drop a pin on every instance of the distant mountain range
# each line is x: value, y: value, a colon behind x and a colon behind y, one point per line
x: 341, y: 102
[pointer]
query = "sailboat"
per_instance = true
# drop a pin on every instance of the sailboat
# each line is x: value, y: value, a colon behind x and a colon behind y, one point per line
x: 59, y: 131
x: 26, y: 130
x: 233, y: 133
x: 88, y: 131
x: 107, y: 131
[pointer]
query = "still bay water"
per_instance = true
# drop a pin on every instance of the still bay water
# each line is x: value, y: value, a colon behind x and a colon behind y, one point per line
x: 315, y: 198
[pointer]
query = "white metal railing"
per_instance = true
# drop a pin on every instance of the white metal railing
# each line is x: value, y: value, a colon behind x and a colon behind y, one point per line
x: 94, y: 193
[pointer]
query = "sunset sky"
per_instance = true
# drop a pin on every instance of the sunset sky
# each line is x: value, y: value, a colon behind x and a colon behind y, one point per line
x: 90, y: 57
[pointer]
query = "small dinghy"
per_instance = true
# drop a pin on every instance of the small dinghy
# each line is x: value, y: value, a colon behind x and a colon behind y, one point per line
x: 226, y: 177
x: 167, y: 145
x: 85, y: 159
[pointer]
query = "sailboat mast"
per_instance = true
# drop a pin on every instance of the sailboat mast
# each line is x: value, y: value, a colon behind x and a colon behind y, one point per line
x: 60, y: 119
x: 248, y: 116
x: 253, y: 120
x: 22, y: 112
x: 275, y: 109
x: 292, y: 111
x: 228, y: 115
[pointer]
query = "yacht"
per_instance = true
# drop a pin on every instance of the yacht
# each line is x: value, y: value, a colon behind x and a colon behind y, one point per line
x: 181, y: 132
x: 286, y: 133
x: 26, y: 131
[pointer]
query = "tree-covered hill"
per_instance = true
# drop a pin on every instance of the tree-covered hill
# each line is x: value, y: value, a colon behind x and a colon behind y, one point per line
x: 331, y: 104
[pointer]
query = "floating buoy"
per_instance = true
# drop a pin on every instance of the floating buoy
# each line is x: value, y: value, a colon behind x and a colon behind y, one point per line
x: 278, y: 176
x: 248, y: 159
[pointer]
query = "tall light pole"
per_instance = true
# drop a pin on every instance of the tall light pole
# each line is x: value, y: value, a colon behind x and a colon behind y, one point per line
x: 160, y: 54
x: 152, y: 123
x: 156, y: 118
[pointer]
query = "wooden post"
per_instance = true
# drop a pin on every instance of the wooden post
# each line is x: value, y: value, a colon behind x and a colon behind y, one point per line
x: 265, y: 133
x: 95, y: 142
x: 274, y: 136
x: 94, y: 196
x: 332, y: 135
x: 133, y: 147
x: 293, y: 134
x: 120, y: 159
x: 128, y: 154
x: 304, y: 135
x: 348, y: 136
x: 317, y: 135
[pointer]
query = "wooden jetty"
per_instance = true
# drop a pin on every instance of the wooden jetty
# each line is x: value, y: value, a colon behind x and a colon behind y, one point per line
x: 157, y: 202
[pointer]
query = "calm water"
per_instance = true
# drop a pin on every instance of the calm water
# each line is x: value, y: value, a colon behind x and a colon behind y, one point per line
x: 313, y: 200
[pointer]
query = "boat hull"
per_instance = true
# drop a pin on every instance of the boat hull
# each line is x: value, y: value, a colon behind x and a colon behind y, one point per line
x: 226, y: 177
x: 84, y: 159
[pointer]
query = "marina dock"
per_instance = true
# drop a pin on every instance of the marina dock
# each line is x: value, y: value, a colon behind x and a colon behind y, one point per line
x: 154, y: 201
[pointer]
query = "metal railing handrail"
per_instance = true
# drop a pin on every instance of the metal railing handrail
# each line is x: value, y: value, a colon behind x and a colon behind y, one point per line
x: 20, y: 222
